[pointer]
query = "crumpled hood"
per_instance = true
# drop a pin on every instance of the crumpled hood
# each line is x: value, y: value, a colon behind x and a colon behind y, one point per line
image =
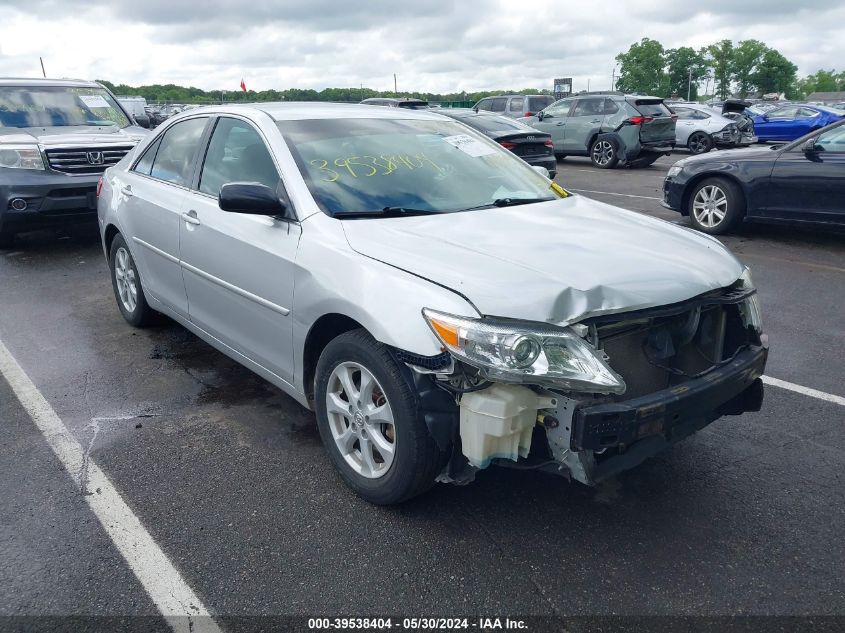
x: 73, y: 135
x: 557, y: 262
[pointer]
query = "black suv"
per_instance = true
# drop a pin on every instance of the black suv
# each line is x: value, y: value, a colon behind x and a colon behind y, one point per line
x: 57, y: 137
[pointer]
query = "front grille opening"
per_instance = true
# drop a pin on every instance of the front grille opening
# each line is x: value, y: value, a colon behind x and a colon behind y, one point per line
x: 85, y: 160
x: 658, y: 353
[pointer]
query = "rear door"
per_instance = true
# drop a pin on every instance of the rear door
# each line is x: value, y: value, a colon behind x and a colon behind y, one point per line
x: 585, y: 119
x: 516, y: 107
x: 152, y: 195
x: 658, y: 126
x: 238, y: 268
x: 778, y: 124
x: 810, y: 186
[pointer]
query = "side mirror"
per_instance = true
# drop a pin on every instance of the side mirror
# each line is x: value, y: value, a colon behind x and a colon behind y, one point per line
x: 541, y: 115
x: 252, y: 198
x: 809, y: 146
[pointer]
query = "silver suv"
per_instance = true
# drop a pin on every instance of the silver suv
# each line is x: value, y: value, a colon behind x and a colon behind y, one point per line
x: 611, y: 128
x: 514, y: 106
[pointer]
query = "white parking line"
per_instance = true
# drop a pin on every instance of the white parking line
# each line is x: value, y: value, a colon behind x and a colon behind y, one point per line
x: 813, y: 393
x: 171, y: 594
x: 610, y: 193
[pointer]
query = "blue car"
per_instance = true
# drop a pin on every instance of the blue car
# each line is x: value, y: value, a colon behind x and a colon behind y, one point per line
x: 793, y: 121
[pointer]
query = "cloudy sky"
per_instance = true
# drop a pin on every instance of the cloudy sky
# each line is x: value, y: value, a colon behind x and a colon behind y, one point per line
x: 432, y: 45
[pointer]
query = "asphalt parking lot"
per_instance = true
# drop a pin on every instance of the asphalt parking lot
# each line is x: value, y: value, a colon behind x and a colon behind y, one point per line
x: 228, y: 476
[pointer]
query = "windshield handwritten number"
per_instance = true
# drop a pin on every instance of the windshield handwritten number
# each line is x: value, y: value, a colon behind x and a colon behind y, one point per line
x: 323, y: 166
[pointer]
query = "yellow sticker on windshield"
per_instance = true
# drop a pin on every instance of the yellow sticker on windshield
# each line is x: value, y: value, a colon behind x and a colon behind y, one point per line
x: 563, y: 193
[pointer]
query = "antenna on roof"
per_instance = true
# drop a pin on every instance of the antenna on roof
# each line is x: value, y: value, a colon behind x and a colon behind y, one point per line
x: 43, y: 72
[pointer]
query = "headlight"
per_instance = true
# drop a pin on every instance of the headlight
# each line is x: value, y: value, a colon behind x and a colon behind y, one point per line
x: 20, y: 157
x: 531, y: 353
x: 674, y: 170
x: 749, y: 309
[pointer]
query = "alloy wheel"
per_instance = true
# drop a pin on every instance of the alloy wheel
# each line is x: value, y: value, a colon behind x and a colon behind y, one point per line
x: 124, y: 274
x: 710, y: 206
x: 361, y: 420
x: 602, y: 153
x: 698, y: 143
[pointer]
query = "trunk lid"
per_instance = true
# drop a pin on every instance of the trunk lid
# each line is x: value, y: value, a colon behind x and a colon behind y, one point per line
x: 659, y: 124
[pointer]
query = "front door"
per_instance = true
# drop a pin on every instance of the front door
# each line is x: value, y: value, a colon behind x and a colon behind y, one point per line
x: 554, y: 122
x: 810, y: 185
x: 238, y: 268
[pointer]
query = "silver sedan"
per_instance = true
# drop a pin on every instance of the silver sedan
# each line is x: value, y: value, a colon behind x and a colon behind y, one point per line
x: 701, y: 128
x: 439, y: 304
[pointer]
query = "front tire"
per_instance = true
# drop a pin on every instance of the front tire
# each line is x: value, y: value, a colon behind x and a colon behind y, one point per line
x: 368, y: 419
x: 716, y: 205
x: 603, y: 154
x: 699, y: 143
x: 126, y: 283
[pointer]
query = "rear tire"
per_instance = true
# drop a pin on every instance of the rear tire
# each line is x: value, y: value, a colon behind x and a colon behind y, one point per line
x: 560, y: 156
x: 716, y: 205
x: 699, y: 143
x: 603, y: 154
x: 368, y: 419
x: 126, y: 283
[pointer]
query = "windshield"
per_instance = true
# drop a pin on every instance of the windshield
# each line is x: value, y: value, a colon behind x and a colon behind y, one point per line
x: 58, y: 106
x: 369, y: 165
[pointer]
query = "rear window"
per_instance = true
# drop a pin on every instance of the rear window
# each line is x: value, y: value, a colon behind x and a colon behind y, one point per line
x: 535, y: 104
x: 652, y: 108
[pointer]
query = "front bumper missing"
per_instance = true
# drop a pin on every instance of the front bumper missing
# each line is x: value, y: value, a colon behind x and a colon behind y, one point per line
x: 634, y: 430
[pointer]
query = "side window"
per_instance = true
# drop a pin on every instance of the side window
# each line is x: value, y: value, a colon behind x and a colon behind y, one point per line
x: 784, y: 113
x: 516, y: 104
x: 610, y: 107
x: 236, y: 153
x: 175, y: 157
x: 144, y: 165
x: 587, y: 107
x: 498, y: 104
x: 698, y: 114
x: 684, y: 113
x: 485, y: 104
x: 559, y: 109
x: 833, y: 140
x: 807, y: 113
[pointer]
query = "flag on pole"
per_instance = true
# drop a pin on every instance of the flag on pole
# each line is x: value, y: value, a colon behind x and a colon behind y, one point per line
x: 243, y: 85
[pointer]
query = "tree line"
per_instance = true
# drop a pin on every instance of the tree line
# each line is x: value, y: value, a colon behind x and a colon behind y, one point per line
x: 747, y: 68
x: 171, y: 93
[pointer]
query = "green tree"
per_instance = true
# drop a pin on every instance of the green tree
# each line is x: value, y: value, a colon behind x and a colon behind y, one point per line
x: 775, y: 73
x: 747, y: 57
x: 641, y: 68
x: 682, y: 64
x: 720, y: 59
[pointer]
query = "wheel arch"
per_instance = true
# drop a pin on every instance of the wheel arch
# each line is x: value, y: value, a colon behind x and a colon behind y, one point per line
x: 108, y: 237
x: 322, y: 332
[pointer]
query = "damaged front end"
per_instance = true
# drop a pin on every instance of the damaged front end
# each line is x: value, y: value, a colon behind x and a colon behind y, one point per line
x: 592, y: 399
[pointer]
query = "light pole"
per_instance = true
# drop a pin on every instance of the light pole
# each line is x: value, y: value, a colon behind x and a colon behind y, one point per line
x: 689, y: 84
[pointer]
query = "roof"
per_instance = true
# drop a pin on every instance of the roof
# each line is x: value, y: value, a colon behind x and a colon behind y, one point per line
x: 39, y: 81
x: 303, y: 110
x: 826, y: 96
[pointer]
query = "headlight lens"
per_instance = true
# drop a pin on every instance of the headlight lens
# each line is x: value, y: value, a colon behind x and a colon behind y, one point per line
x: 531, y: 353
x: 20, y: 157
x: 750, y: 308
x: 674, y: 170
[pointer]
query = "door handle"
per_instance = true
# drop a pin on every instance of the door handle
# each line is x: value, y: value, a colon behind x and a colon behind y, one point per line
x: 560, y: 123
x: 126, y: 190
x: 596, y: 121
x: 191, y: 218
